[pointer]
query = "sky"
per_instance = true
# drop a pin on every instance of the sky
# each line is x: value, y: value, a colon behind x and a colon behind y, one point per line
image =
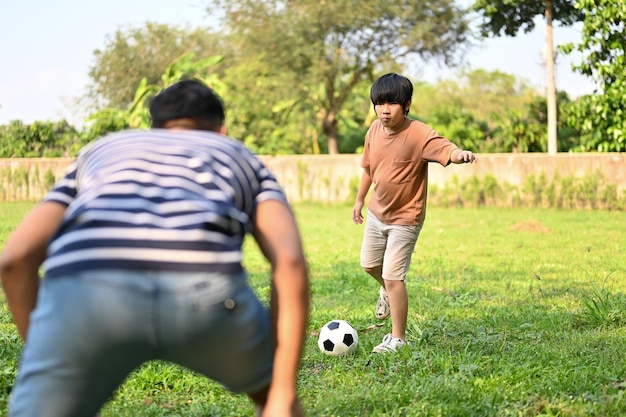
x: 47, y: 48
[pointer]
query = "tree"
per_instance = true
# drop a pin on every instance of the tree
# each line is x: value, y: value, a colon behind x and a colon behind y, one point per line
x: 479, y: 92
x: 137, y: 116
x: 491, y: 111
x: 472, y: 107
x: 36, y: 140
x: 317, y: 52
x: 460, y: 126
x: 508, y: 17
x: 601, y: 117
x: 132, y: 54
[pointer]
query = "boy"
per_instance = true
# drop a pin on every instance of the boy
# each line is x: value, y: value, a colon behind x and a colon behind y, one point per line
x: 395, y: 159
x: 141, y: 243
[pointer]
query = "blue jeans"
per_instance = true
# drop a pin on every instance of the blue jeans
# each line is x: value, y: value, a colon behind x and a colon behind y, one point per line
x: 90, y: 330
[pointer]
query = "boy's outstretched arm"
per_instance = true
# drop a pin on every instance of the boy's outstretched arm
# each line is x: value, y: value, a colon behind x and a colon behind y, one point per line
x: 22, y: 256
x: 276, y: 232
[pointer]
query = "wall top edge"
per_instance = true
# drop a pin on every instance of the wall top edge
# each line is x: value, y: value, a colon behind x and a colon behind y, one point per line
x: 349, y: 156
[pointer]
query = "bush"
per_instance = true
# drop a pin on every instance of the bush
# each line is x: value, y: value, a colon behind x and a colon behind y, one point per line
x: 590, y: 191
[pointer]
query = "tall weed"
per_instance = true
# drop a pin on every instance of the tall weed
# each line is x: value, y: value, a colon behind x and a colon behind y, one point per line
x: 591, y: 191
x: 603, y: 308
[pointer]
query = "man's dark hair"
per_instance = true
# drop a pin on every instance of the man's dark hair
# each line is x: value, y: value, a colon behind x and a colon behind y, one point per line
x: 392, y: 88
x: 188, y: 99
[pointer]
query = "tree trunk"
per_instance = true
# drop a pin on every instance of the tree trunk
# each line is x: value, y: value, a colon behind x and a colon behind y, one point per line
x: 333, y: 144
x: 329, y: 127
x: 550, y: 82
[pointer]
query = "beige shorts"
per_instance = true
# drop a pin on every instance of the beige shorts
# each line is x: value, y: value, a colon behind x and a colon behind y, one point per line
x: 389, y: 245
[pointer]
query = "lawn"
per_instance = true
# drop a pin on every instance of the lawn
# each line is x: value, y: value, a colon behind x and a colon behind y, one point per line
x: 513, y: 312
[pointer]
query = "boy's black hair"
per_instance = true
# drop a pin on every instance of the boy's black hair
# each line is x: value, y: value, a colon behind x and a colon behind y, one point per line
x: 392, y: 88
x: 188, y: 99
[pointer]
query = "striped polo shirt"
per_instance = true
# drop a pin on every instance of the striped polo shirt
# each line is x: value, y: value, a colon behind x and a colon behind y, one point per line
x: 158, y: 200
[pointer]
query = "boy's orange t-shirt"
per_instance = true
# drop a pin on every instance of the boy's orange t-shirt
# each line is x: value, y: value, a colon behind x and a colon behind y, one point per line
x: 398, y: 166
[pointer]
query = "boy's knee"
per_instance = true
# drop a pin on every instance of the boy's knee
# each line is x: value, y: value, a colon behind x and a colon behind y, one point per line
x: 392, y: 284
x: 373, y: 270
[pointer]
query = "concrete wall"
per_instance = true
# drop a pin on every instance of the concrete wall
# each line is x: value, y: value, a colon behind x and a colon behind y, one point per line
x: 27, y: 179
x: 329, y: 179
x: 326, y: 178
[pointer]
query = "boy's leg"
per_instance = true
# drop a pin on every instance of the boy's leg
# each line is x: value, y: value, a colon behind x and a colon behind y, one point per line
x: 376, y: 272
x: 373, y: 247
x: 399, y: 305
x: 372, y: 252
x: 400, y: 247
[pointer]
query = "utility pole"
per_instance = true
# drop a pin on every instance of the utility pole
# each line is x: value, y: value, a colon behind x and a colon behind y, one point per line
x: 550, y: 81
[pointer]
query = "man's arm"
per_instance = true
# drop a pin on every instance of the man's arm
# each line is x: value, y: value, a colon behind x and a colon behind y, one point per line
x: 21, y: 258
x: 276, y: 232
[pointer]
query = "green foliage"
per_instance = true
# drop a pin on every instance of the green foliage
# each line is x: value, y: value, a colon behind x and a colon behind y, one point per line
x: 602, y: 308
x: 10, y: 346
x: 483, y: 94
x: 48, y: 180
x: 283, y: 127
x: 137, y: 115
x: 517, y: 132
x: 131, y: 54
x: 460, y: 126
x: 601, y: 117
x: 105, y: 121
x: 508, y: 17
x: 304, y: 89
x: 490, y: 112
x: 480, y: 110
x: 39, y: 139
x: 322, y: 53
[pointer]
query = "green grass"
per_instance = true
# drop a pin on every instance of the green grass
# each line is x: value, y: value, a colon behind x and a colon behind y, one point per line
x: 513, y: 312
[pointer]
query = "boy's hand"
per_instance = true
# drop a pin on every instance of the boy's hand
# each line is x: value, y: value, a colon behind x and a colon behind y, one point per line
x: 463, y: 157
x: 357, y: 212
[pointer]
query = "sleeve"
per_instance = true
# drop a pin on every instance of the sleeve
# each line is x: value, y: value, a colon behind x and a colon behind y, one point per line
x: 269, y: 187
x: 262, y: 182
x: 438, y: 149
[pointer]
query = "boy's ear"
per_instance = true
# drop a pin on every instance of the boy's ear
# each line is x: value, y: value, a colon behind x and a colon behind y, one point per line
x: 223, y: 130
x: 407, y: 107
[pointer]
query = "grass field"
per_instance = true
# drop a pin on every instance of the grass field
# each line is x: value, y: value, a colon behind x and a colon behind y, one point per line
x: 512, y: 313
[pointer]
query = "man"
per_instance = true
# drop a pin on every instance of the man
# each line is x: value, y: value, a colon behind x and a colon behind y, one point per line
x: 395, y: 159
x: 141, y: 244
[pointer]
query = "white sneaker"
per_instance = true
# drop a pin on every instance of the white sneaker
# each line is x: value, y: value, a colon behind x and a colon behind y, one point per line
x: 389, y: 344
x: 382, y: 305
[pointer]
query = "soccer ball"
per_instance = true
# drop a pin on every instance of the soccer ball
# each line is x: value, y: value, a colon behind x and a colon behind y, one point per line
x: 337, y: 337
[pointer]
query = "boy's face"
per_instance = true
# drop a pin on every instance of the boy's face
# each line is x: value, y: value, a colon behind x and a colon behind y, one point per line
x: 391, y: 115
